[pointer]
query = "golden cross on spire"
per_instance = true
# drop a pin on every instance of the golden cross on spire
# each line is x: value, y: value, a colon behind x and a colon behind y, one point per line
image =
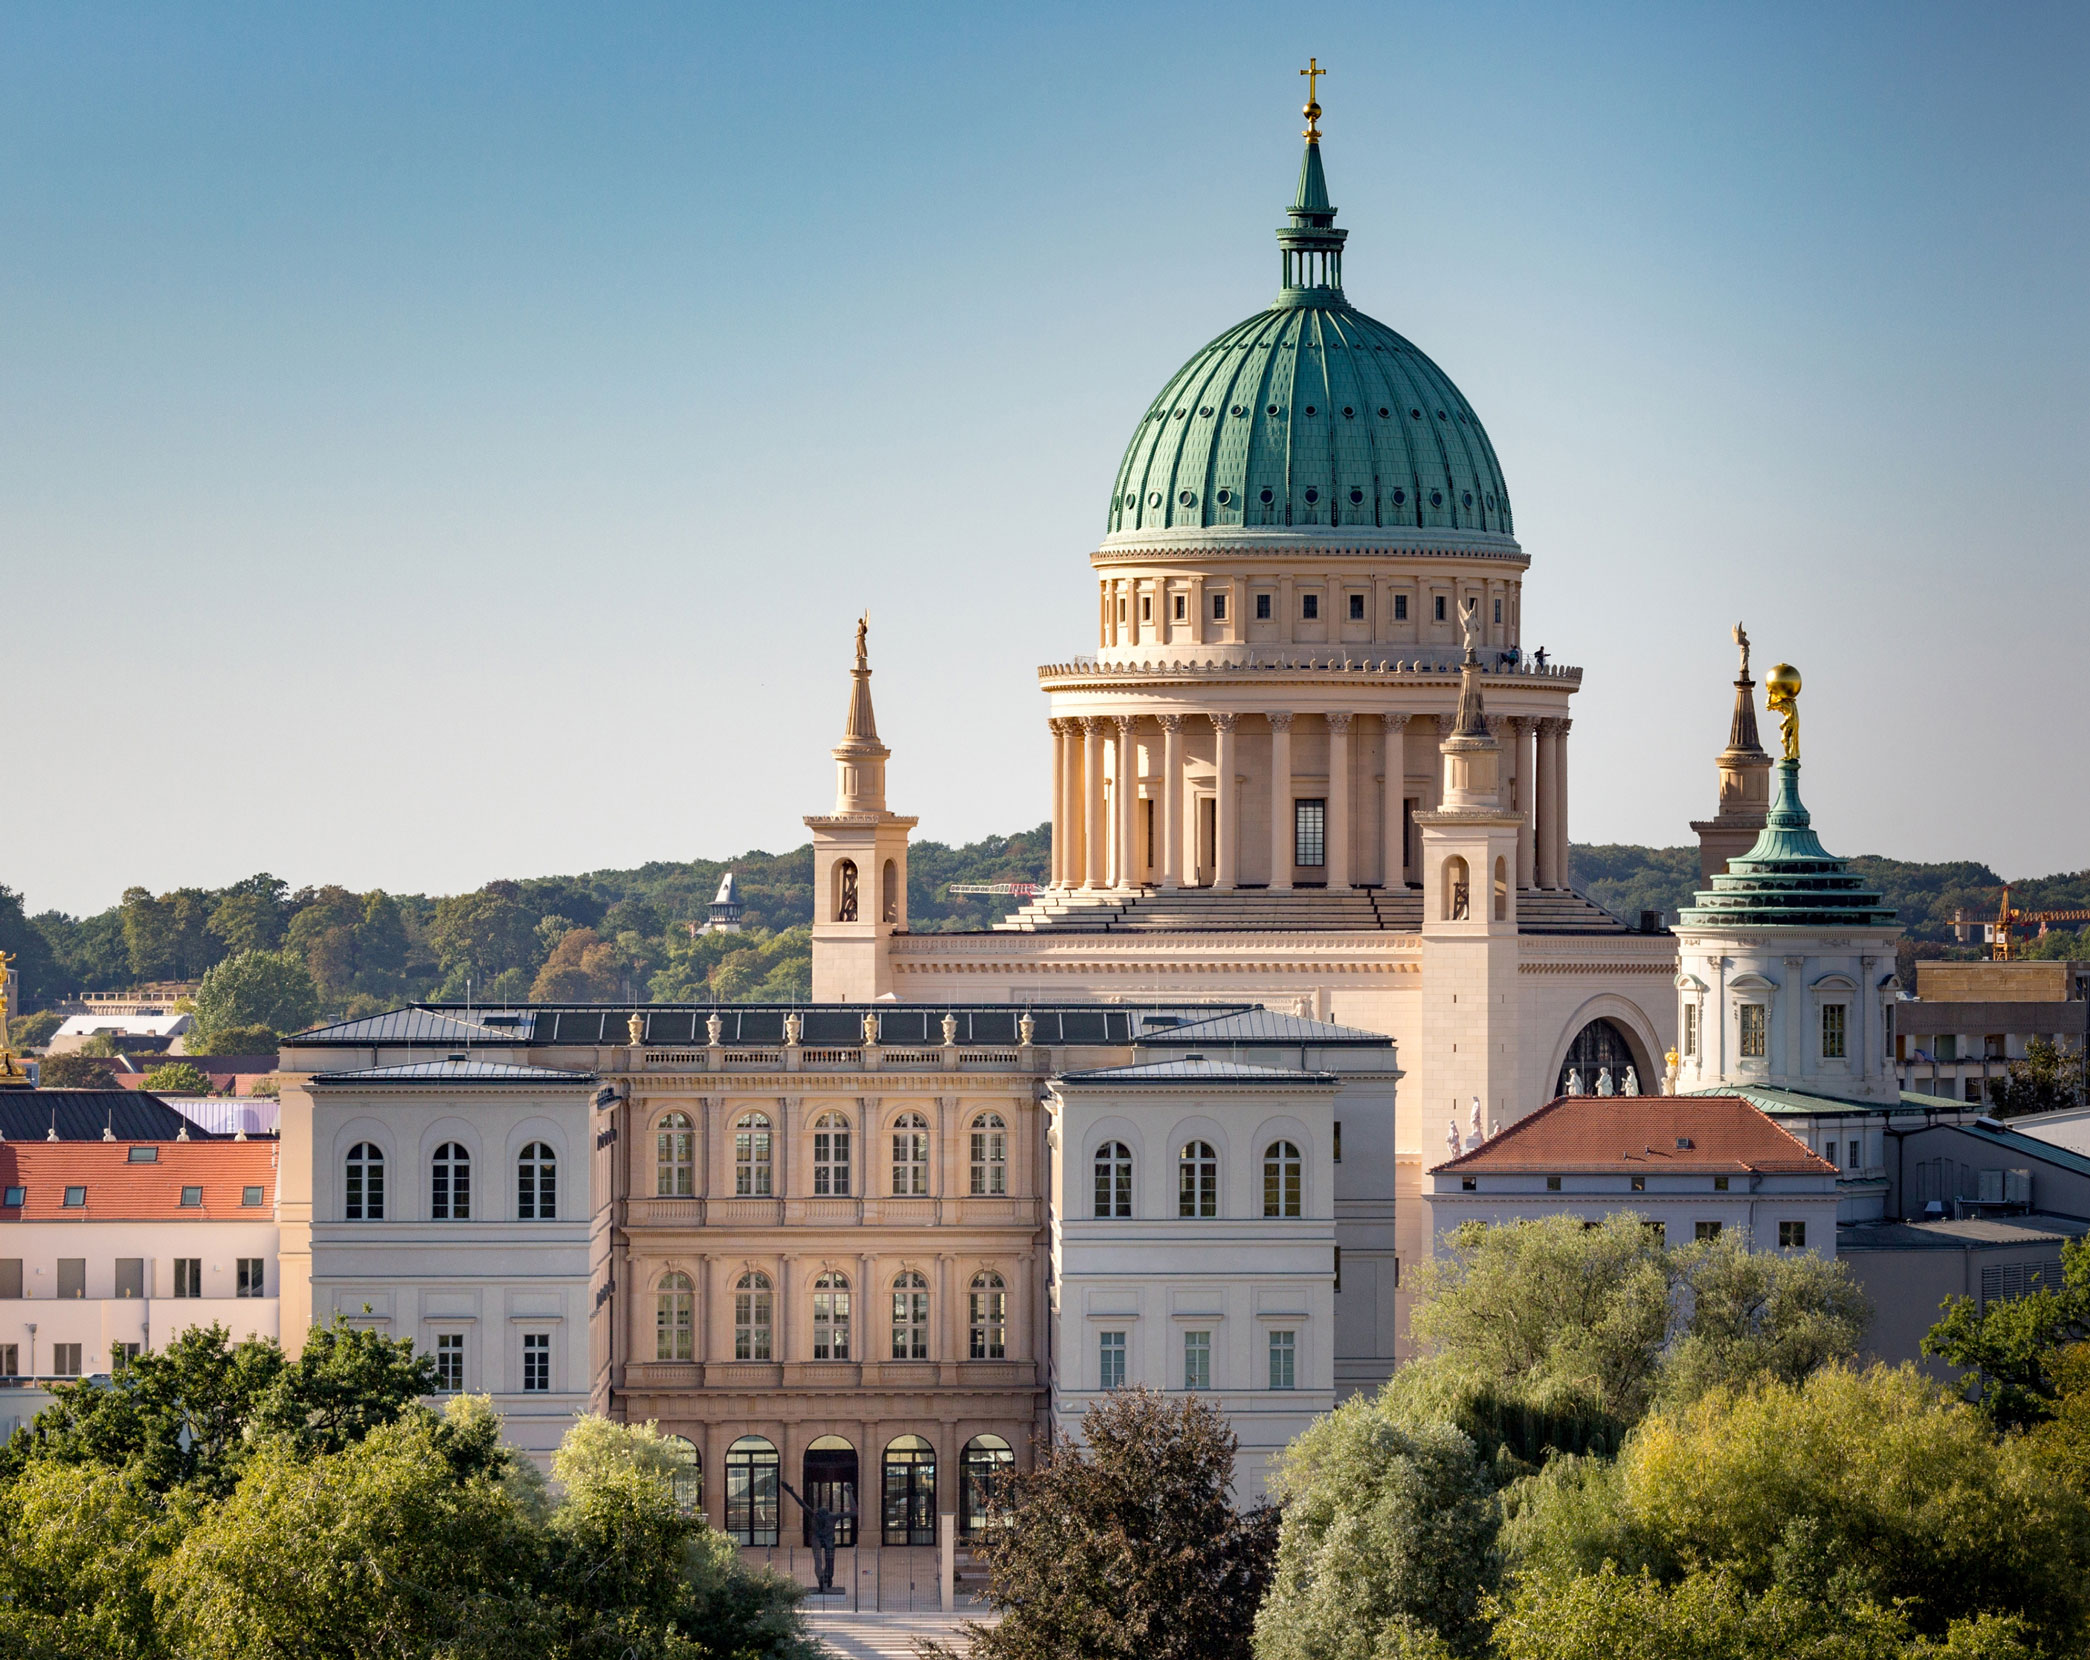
x: 1313, y: 72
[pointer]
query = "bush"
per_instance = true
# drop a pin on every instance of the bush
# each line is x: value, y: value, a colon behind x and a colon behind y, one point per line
x: 176, y: 1078
x: 75, y: 1072
x: 256, y: 988
x: 33, y: 1031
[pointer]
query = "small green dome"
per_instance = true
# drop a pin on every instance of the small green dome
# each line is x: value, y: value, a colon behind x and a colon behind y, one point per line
x: 1310, y: 413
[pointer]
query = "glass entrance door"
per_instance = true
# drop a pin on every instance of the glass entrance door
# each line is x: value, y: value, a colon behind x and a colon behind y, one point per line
x: 910, y: 1492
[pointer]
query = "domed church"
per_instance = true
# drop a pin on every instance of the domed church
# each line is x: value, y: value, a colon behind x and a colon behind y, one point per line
x: 1308, y: 761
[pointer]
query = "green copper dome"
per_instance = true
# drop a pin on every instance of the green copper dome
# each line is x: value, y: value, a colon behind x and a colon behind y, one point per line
x: 1788, y: 879
x: 1310, y: 413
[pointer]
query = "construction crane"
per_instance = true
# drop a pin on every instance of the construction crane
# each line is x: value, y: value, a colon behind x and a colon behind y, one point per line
x: 1017, y: 890
x: 1999, y: 935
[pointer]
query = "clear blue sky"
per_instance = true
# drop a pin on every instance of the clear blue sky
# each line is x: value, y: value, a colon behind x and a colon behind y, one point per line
x: 447, y: 442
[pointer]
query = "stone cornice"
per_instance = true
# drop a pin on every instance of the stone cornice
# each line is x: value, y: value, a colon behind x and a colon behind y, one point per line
x: 1381, y: 668
x: 1271, y: 542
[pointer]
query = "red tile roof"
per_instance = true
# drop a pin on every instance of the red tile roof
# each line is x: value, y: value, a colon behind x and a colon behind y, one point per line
x: 121, y: 1191
x: 1717, y: 1134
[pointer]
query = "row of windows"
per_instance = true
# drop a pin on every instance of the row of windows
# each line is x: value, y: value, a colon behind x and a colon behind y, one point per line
x: 1753, y: 1025
x: 754, y: 1156
x: 1197, y: 1180
x: 450, y: 1183
x: 1309, y: 607
x: 834, y: 1327
x: 249, y: 1278
x: 536, y: 1362
x: 1281, y: 1351
x: 907, y: 1489
x: 75, y: 1197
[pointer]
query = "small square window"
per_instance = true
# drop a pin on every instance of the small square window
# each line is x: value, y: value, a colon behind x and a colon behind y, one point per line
x: 1705, y: 1230
x: 1792, y: 1236
x: 1182, y: 606
x: 1552, y: 1184
x: 75, y: 1197
x: 192, y: 1198
x: 250, y: 1197
x: 250, y: 1279
x: 1440, y: 607
x: 188, y: 1276
x: 1262, y: 607
x: 1400, y: 607
x: 1639, y: 1184
x: 1309, y: 606
x: 1469, y: 1184
x: 1719, y: 1184
x: 14, y: 1198
x: 145, y: 1155
x: 1357, y: 608
x: 1219, y: 608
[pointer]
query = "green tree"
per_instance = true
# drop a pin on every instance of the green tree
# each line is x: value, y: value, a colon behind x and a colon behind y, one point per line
x: 78, y: 1547
x: 2048, y: 1079
x: 345, y: 1383
x: 2014, y: 1346
x: 176, y: 1078
x: 256, y: 988
x: 582, y: 968
x: 33, y: 1031
x: 169, y: 938
x: 35, y: 962
x: 75, y: 1072
x: 482, y: 936
x: 249, y: 915
x: 1128, y: 1548
x: 381, y: 944
x: 241, y: 1040
x: 1388, y: 1540
x: 1759, y: 1314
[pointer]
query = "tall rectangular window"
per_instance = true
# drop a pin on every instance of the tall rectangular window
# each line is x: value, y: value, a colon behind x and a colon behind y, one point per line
x: 1309, y: 606
x: 1182, y: 602
x: 1440, y: 607
x: 72, y: 1276
x: 1705, y: 1230
x: 1262, y: 607
x: 65, y: 1359
x: 10, y: 1276
x: 1691, y: 1029
x: 188, y: 1276
x: 1792, y: 1236
x: 130, y: 1276
x: 10, y: 1360
x: 1832, y: 1017
x: 1357, y: 608
x: 250, y: 1281
x: 1400, y: 607
x: 1284, y: 1360
x: 449, y: 1362
x: 1110, y: 1354
x: 537, y: 1363
x: 122, y: 1354
x: 1753, y: 1029
x: 1310, y: 832
x: 1219, y: 608
x: 1197, y: 1360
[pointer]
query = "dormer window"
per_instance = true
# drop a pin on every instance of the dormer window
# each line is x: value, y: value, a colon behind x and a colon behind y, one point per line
x: 144, y: 1155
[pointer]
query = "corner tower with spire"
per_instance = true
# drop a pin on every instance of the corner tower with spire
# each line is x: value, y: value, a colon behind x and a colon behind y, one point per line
x: 859, y: 858
x: 1745, y: 780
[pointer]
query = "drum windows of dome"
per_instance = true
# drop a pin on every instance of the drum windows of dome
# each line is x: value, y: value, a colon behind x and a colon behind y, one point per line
x: 1400, y: 607
x: 1357, y: 608
x: 1309, y: 606
x: 1182, y: 607
x: 1262, y: 607
x: 1440, y: 607
x: 1219, y: 608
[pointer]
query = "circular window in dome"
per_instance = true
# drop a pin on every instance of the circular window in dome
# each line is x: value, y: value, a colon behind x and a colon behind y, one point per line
x: 1399, y: 496
x: 1436, y: 498
x: 1466, y: 498
x: 1224, y: 498
x: 1491, y: 501
x: 1356, y: 496
x: 1414, y: 414
x: 1462, y: 417
x: 1154, y: 498
x: 1310, y: 409
x: 1440, y: 414
x: 1186, y: 498
x: 1268, y: 495
x: 1240, y: 409
x: 1181, y: 413
x: 1312, y: 494
x: 1206, y: 412
x: 1348, y: 413
x: 1384, y: 412
x: 1272, y: 410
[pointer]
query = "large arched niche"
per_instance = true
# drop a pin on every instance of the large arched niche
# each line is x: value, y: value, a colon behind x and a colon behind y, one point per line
x: 1627, y: 1024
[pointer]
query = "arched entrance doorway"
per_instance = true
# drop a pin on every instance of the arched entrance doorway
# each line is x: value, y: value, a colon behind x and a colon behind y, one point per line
x: 986, y: 1461
x: 1600, y: 1045
x: 751, y: 1491
x: 910, y: 1492
x: 830, y: 1483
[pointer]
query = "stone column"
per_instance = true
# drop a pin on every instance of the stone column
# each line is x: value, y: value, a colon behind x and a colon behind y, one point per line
x: 1097, y: 842
x: 1127, y: 803
x: 1059, y: 802
x: 1560, y: 805
x: 1338, y: 849
x: 1225, y: 808
x: 1072, y: 866
x: 1393, y: 854
x: 1281, y: 849
x: 1542, y: 803
x: 1525, y: 730
x: 1171, y: 800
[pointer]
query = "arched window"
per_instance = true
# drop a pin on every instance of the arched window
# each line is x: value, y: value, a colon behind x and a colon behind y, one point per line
x: 1283, y: 1170
x: 1502, y: 890
x: 831, y: 1155
x: 910, y: 1317
x: 450, y: 1184
x: 830, y: 1483
x: 910, y: 1492
x: 1197, y: 1175
x: 845, y: 891
x: 910, y: 1155
x: 889, y: 906
x: 987, y: 1318
x: 675, y: 1157
x: 753, y: 1316
x: 537, y: 1184
x: 990, y: 1154
x: 1457, y: 891
x: 987, y: 1463
x: 751, y: 1157
x: 1113, y: 1179
x: 366, y: 1183
x: 675, y: 1319
x: 751, y: 1491
x: 831, y: 1317
x: 688, y: 1479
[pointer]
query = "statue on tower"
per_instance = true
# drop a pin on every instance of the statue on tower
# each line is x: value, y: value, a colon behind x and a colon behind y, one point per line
x: 1741, y: 638
x: 863, y: 628
x: 1469, y: 626
x: 1782, y: 696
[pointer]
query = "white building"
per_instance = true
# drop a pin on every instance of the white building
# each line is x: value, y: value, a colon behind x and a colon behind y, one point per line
x: 1193, y: 1243
x: 448, y: 1201
x: 1696, y: 1165
x: 109, y: 1248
